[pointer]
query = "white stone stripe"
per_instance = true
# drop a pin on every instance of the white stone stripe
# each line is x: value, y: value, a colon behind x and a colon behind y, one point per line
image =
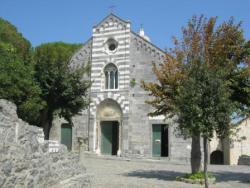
x: 160, y: 117
x: 121, y: 32
x: 124, y: 77
x: 113, y: 28
x: 124, y: 72
x: 100, y: 43
x: 117, y: 60
x: 95, y: 88
x: 123, y: 85
x: 94, y: 68
x: 97, y: 65
x: 117, y: 53
x: 123, y: 105
x: 101, y: 49
x: 98, y: 78
x: 124, y: 81
x: 101, y: 40
x: 121, y: 41
x: 120, y: 99
x: 101, y: 97
x: 126, y: 109
x: 123, y: 66
x: 96, y: 85
x: 95, y: 75
x: 126, y: 102
x: 117, y: 37
x: 95, y: 81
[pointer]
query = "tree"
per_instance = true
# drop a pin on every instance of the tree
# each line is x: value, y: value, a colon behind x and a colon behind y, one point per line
x: 63, y: 89
x: 202, y: 82
x: 17, y: 82
x: 10, y: 35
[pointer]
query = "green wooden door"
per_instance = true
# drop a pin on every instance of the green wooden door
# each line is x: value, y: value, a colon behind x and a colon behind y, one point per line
x: 156, y: 142
x: 106, y: 137
x: 66, y: 135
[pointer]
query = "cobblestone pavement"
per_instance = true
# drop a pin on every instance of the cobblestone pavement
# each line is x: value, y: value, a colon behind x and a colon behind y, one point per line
x: 107, y: 173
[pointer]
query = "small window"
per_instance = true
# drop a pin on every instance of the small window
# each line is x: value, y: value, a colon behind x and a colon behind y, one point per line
x: 112, y: 44
x: 111, y: 76
x: 112, y: 47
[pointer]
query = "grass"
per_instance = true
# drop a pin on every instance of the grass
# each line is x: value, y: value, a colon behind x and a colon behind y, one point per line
x: 199, y: 176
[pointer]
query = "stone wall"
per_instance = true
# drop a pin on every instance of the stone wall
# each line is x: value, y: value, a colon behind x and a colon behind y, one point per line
x: 25, y: 160
x: 239, y: 146
x: 244, y: 160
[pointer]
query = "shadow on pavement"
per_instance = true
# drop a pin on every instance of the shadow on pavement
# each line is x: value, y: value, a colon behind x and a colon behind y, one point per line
x: 156, y: 174
x: 224, y: 176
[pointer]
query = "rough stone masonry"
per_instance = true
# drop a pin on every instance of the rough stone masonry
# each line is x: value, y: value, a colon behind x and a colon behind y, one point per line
x: 25, y: 160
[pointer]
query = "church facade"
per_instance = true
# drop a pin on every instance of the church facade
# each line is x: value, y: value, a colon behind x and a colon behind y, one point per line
x: 116, y: 122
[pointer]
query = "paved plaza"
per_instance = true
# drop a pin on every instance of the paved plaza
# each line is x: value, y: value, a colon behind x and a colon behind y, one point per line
x: 112, y: 173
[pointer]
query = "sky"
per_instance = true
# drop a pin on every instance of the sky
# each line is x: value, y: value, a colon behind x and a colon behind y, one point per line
x: 71, y: 21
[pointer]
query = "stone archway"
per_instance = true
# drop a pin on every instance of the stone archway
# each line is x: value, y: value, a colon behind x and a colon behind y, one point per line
x: 108, y: 121
x: 217, y: 157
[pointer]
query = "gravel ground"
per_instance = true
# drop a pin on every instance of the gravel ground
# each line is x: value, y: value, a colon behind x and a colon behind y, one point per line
x: 116, y: 173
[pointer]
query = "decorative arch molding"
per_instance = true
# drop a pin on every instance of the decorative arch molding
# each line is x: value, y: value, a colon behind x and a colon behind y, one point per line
x: 111, y: 21
x: 119, y: 98
x: 154, y: 51
x: 109, y: 109
x: 82, y: 56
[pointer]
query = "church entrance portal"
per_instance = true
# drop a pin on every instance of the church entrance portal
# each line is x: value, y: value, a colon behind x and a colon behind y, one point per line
x: 109, y: 125
x: 160, y: 140
x: 109, y: 137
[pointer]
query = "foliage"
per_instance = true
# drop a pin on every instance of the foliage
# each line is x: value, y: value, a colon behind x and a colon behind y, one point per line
x: 40, y: 83
x: 132, y: 83
x: 63, y: 89
x: 17, y: 75
x: 10, y: 35
x: 204, y: 80
x: 196, y: 176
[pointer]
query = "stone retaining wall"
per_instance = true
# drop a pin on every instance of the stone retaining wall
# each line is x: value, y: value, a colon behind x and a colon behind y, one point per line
x: 25, y: 160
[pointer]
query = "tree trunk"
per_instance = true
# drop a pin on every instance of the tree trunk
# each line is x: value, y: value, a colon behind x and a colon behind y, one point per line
x: 205, y: 161
x: 46, y: 123
x: 196, y: 154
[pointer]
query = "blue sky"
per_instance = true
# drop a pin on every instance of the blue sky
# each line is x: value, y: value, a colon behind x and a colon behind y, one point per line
x: 71, y: 21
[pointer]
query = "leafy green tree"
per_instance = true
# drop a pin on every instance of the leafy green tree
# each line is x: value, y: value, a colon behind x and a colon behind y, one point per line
x: 10, y: 35
x: 63, y: 89
x: 17, y: 82
x: 204, y: 81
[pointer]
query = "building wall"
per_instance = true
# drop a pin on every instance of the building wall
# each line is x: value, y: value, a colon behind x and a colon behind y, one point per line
x: 234, y: 146
x: 239, y: 146
x: 142, y: 55
x: 133, y: 58
x: 114, y: 28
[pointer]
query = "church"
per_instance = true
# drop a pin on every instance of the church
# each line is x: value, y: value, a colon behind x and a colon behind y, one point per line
x: 116, y: 122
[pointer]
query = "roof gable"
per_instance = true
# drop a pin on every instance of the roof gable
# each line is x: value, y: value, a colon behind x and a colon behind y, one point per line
x: 143, y: 44
x: 111, y: 18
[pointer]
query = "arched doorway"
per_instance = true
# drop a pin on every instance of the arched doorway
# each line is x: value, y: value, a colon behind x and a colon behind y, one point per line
x: 217, y: 157
x: 109, y: 120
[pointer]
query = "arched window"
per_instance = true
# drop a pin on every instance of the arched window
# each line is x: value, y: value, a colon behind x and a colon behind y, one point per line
x: 111, y: 76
